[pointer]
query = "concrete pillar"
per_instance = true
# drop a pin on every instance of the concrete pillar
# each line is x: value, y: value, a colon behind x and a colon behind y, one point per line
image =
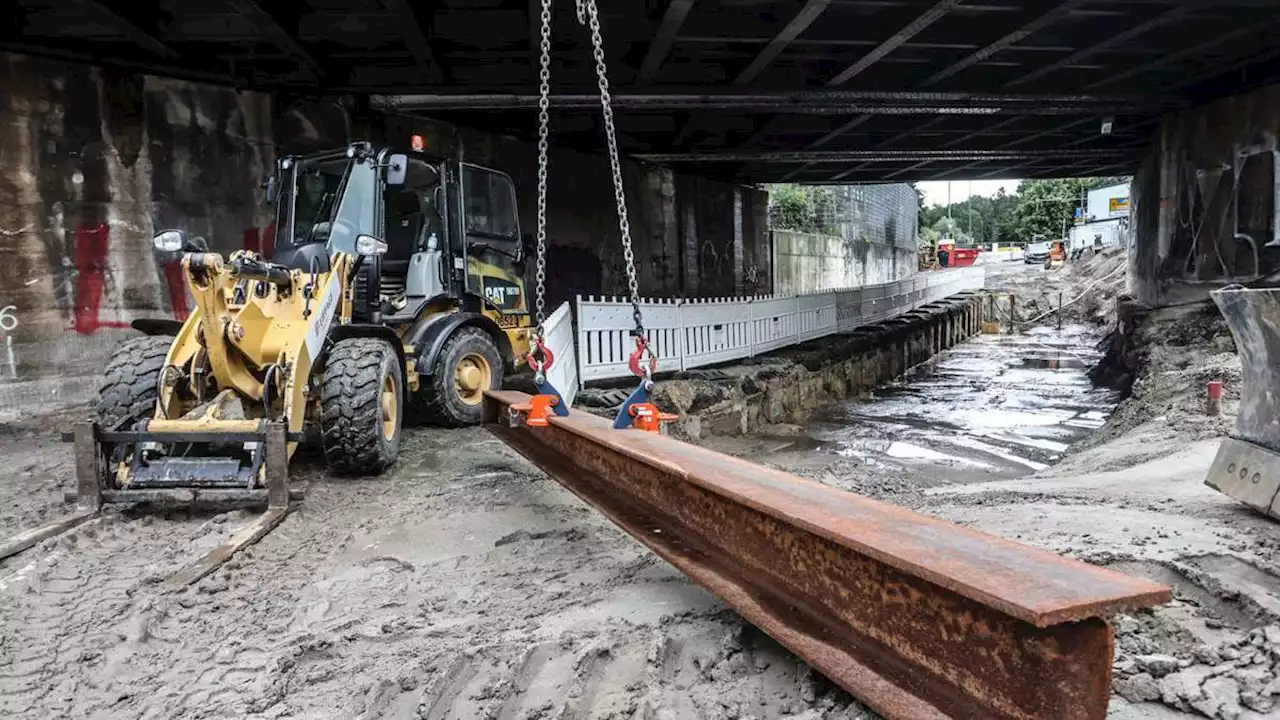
x: 739, y: 247
x: 690, y: 213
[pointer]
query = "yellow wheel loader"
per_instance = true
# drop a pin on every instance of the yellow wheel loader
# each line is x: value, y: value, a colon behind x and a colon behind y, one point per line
x: 396, y: 284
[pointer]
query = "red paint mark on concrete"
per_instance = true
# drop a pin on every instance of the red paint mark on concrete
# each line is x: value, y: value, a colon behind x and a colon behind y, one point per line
x: 91, y: 246
x: 261, y: 240
x: 175, y: 282
x: 91, y: 243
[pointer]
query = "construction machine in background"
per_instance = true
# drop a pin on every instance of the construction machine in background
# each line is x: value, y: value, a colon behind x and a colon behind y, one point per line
x: 927, y: 253
x: 396, y: 284
x: 1057, y: 255
x: 1247, y: 466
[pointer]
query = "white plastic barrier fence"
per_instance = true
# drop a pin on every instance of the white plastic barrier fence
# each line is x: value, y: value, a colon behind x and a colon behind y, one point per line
x: 563, y: 374
x: 706, y: 331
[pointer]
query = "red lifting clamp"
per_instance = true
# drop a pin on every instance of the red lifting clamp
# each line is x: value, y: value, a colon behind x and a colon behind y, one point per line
x: 538, y: 409
x: 647, y: 416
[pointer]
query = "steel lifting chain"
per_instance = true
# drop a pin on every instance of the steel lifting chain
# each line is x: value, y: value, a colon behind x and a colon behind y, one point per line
x: 590, y: 16
x: 544, y: 121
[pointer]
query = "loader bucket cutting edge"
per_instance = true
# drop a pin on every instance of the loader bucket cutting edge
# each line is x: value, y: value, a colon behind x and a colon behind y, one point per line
x: 1247, y: 466
x: 916, y: 616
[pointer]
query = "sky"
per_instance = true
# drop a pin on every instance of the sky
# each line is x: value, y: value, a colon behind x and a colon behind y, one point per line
x: 935, y: 192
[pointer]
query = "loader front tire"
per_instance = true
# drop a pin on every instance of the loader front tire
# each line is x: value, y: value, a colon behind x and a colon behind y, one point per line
x: 131, y: 381
x: 469, y: 364
x: 361, y: 407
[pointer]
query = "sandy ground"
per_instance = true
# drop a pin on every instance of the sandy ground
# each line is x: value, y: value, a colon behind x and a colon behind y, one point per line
x: 464, y: 584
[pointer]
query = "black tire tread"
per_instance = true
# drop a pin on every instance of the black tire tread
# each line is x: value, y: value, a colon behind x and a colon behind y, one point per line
x: 432, y: 402
x: 350, y: 409
x: 130, y: 381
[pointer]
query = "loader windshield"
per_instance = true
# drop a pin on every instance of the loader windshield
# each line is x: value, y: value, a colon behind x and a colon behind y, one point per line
x: 316, y: 191
x: 333, y: 202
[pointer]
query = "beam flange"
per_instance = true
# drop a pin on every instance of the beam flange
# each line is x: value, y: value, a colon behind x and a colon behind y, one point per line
x: 660, y: 48
x: 916, y: 26
x: 128, y: 29
x: 798, y: 24
x: 276, y: 34
x: 1174, y: 14
x: 1057, y: 13
x: 872, y: 156
x: 415, y: 40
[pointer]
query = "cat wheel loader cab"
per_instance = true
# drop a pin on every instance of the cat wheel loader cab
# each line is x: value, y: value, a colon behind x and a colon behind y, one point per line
x: 449, y: 291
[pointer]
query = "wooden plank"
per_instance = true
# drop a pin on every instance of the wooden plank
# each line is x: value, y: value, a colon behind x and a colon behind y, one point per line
x: 214, y: 559
x: 30, y: 538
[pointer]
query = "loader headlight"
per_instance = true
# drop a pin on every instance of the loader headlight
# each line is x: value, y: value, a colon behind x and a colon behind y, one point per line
x: 370, y: 245
x: 170, y: 240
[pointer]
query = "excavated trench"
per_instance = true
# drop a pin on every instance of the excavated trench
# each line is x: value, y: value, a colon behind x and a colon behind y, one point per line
x: 997, y: 406
x: 992, y: 407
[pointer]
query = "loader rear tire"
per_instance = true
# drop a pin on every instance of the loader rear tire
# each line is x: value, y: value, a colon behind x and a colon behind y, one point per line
x: 469, y: 364
x: 131, y: 381
x: 361, y: 407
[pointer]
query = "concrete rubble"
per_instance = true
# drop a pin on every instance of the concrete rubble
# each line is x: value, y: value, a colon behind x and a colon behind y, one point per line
x: 466, y: 584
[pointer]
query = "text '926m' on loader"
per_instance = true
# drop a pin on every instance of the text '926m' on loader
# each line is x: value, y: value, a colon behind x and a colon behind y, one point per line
x: 396, y: 284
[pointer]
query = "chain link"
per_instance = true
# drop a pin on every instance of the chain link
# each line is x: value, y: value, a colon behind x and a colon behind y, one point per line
x: 544, y: 122
x: 588, y: 14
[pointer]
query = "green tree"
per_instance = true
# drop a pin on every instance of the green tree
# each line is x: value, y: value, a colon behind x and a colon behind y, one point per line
x: 1047, y: 207
x: 790, y: 207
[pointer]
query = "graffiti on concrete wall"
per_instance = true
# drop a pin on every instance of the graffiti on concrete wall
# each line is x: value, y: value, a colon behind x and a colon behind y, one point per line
x: 1228, y: 215
x: 1205, y: 206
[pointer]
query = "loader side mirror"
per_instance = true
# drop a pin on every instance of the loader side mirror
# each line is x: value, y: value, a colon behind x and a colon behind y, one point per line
x: 271, y: 187
x: 397, y: 168
x: 177, y: 240
x: 370, y: 245
x: 170, y: 240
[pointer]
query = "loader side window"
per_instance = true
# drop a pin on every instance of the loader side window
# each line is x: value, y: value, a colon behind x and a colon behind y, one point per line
x: 490, y: 202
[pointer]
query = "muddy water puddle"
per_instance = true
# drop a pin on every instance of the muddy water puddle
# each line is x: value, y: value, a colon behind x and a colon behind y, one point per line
x: 995, y: 406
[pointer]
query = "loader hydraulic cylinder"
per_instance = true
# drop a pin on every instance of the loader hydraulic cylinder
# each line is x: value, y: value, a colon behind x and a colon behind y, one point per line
x: 277, y: 275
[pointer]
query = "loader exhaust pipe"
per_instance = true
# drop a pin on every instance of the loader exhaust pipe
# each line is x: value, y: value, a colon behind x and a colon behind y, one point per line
x: 1247, y: 466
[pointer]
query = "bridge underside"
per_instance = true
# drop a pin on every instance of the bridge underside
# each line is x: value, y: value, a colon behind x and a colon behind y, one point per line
x: 748, y: 90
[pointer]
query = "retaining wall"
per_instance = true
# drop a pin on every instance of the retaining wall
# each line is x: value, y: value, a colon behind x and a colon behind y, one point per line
x: 790, y: 385
x: 805, y: 262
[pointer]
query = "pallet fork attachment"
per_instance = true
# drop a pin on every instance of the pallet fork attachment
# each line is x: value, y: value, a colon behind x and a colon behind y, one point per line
x: 94, y: 493
x: 916, y: 616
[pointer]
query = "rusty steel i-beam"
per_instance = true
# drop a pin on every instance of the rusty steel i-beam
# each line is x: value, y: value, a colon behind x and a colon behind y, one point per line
x: 916, y: 616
